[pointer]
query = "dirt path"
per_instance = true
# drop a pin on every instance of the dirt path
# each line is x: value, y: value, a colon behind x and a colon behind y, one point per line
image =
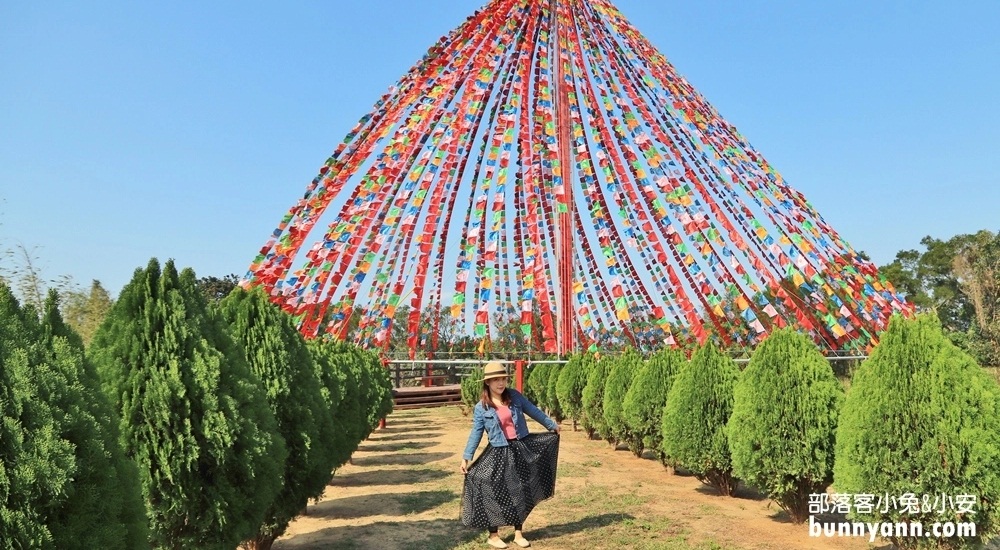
x: 403, y: 491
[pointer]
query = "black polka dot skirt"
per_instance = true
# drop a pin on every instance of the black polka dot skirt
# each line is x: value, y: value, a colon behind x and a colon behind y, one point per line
x: 504, y: 484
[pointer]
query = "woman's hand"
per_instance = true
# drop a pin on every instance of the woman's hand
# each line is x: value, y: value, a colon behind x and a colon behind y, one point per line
x: 465, y: 466
x: 557, y: 428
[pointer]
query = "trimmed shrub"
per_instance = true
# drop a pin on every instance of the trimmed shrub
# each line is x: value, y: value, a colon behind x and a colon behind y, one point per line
x: 569, y: 387
x: 620, y: 377
x: 537, y: 384
x: 36, y: 463
x: 276, y: 352
x: 472, y: 389
x: 593, y: 399
x: 376, y: 384
x: 694, y: 419
x: 642, y: 409
x: 103, y: 506
x: 64, y: 481
x: 333, y: 362
x: 922, y: 418
x: 551, y: 395
x: 781, y: 431
x: 192, y: 415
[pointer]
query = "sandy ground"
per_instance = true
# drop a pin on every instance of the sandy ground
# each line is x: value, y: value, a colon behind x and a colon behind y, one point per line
x: 403, y: 489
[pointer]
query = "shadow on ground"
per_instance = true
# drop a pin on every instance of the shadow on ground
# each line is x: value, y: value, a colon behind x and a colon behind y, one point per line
x: 407, y: 459
x: 436, y: 534
x: 402, y: 435
x: 589, y: 522
x: 388, y: 477
x: 396, y: 447
x: 382, y: 504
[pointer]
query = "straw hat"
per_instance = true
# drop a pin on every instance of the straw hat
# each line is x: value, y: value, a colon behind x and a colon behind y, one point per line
x: 494, y: 369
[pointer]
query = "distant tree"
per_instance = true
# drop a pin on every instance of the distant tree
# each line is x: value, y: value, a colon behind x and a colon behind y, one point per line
x: 922, y: 418
x: 216, y: 288
x: 781, y: 430
x: 85, y: 311
x: 276, y: 352
x: 694, y: 419
x: 192, y: 415
x: 643, y: 406
x: 977, y: 267
x: 929, y: 281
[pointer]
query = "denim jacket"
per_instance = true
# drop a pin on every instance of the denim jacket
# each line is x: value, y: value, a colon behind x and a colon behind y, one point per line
x: 486, y: 419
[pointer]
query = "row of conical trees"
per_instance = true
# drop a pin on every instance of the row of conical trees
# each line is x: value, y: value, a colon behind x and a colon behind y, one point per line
x: 918, y: 417
x: 183, y: 424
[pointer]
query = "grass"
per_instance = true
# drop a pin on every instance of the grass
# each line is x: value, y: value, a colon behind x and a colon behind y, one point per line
x: 415, y: 503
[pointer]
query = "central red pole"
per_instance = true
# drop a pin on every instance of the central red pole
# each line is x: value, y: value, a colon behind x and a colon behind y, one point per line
x: 566, y: 220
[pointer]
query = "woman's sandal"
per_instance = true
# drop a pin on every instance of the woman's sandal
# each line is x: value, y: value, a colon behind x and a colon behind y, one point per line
x: 522, y: 542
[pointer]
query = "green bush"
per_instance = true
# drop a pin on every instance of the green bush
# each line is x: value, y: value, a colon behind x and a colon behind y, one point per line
x: 64, y: 481
x: 695, y: 417
x: 537, y: 384
x: 472, y: 388
x: 276, y: 352
x: 781, y: 431
x: 377, y: 386
x: 593, y: 399
x: 643, y: 405
x: 922, y: 418
x: 552, y: 404
x: 104, y: 506
x: 620, y: 377
x: 335, y: 363
x: 569, y: 387
x: 192, y: 415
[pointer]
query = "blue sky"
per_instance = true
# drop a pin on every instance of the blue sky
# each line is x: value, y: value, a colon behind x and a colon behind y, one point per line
x: 186, y: 129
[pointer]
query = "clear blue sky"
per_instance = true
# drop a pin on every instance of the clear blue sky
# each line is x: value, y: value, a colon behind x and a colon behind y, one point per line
x: 186, y: 129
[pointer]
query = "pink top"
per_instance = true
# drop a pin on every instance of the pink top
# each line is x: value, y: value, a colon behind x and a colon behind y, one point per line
x: 506, y: 422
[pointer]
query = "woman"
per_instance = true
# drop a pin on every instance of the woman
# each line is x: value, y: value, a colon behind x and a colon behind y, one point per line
x: 517, y: 470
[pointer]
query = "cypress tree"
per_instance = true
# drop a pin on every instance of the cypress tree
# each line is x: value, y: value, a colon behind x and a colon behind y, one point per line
x: 103, y: 507
x: 694, y: 419
x: 620, y: 377
x: 781, y: 431
x: 642, y: 409
x: 572, y: 381
x: 192, y: 416
x: 377, y: 386
x: 551, y: 393
x: 36, y: 463
x: 593, y: 399
x: 536, y: 386
x: 366, y: 389
x: 472, y: 387
x: 922, y: 418
x: 277, y: 354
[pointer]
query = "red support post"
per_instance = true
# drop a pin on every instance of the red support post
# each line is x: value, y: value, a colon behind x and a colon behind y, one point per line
x: 519, y: 375
x: 565, y: 221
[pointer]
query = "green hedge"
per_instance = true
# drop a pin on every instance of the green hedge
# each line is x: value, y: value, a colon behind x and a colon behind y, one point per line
x: 781, y: 431
x: 923, y: 418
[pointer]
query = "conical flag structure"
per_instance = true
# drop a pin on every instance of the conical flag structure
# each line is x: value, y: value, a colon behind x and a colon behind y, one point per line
x: 545, y: 160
